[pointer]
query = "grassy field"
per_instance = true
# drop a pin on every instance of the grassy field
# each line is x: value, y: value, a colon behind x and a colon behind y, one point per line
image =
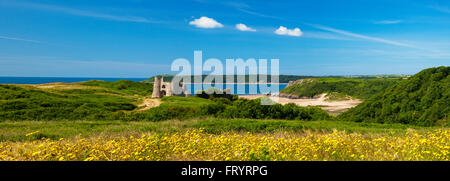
x: 123, y: 142
x: 220, y: 139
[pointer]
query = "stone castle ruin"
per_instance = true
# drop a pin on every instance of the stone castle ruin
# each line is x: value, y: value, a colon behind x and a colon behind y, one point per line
x: 161, y: 88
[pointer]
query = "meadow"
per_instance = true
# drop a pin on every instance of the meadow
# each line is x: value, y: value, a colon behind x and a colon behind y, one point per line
x: 239, y: 146
x: 220, y: 139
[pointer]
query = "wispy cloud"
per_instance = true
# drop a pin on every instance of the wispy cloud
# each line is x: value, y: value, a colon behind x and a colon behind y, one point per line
x: 18, y: 39
x: 236, y: 4
x: 440, y: 8
x: 78, y: 12
x: 324, y: 35
x: 355, y: 35
x: 341, y: 32
x: 257, y: 14
x: 32, y: 66
x: 387, y: 22
x: 243, y: 7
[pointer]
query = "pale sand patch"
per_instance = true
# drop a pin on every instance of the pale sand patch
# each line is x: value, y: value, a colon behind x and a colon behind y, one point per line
x: 149, y: 103
x: 329, y: 106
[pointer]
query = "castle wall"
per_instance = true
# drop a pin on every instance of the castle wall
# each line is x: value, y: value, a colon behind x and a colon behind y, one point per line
x: 161, y: 88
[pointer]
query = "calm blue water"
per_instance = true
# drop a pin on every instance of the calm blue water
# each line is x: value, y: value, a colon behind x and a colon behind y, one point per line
x: 240, y: 89
x: 43, y: 80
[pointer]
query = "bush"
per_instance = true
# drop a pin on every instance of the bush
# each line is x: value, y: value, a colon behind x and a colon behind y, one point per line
x: 244, y: 108
x: 422, y: 99
x: 213, y: 93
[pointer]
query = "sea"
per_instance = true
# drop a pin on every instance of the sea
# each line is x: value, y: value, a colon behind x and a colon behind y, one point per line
x: 44, y: 80
x: 240, y: 89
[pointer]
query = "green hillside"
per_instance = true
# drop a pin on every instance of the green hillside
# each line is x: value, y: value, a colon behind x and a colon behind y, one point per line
x: 358, y: 88
x: 422, y: 99
x: 92, y: 100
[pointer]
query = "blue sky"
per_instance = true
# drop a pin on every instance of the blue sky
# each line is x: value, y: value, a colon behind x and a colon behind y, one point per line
x: 137, y: 38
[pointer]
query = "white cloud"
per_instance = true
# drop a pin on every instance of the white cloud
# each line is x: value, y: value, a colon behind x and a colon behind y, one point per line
x: 205, y: 22
x: 290, y: 32
x: 243, y: 27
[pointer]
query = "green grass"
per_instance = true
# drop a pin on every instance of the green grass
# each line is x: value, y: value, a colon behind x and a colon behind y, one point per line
x: 94, y: 90
x: 124, y: 86
x: 255, y: 125
x: 185, y: 101
x: 16, y: 131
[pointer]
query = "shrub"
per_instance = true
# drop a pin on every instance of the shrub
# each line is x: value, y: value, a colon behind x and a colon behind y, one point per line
x: 422, y: 99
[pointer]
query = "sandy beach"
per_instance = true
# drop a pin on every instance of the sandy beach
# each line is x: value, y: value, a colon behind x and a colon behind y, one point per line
x: 329, y: 106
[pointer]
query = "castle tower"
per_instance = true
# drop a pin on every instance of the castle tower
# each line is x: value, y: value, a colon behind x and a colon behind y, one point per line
x: 156, y: 88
